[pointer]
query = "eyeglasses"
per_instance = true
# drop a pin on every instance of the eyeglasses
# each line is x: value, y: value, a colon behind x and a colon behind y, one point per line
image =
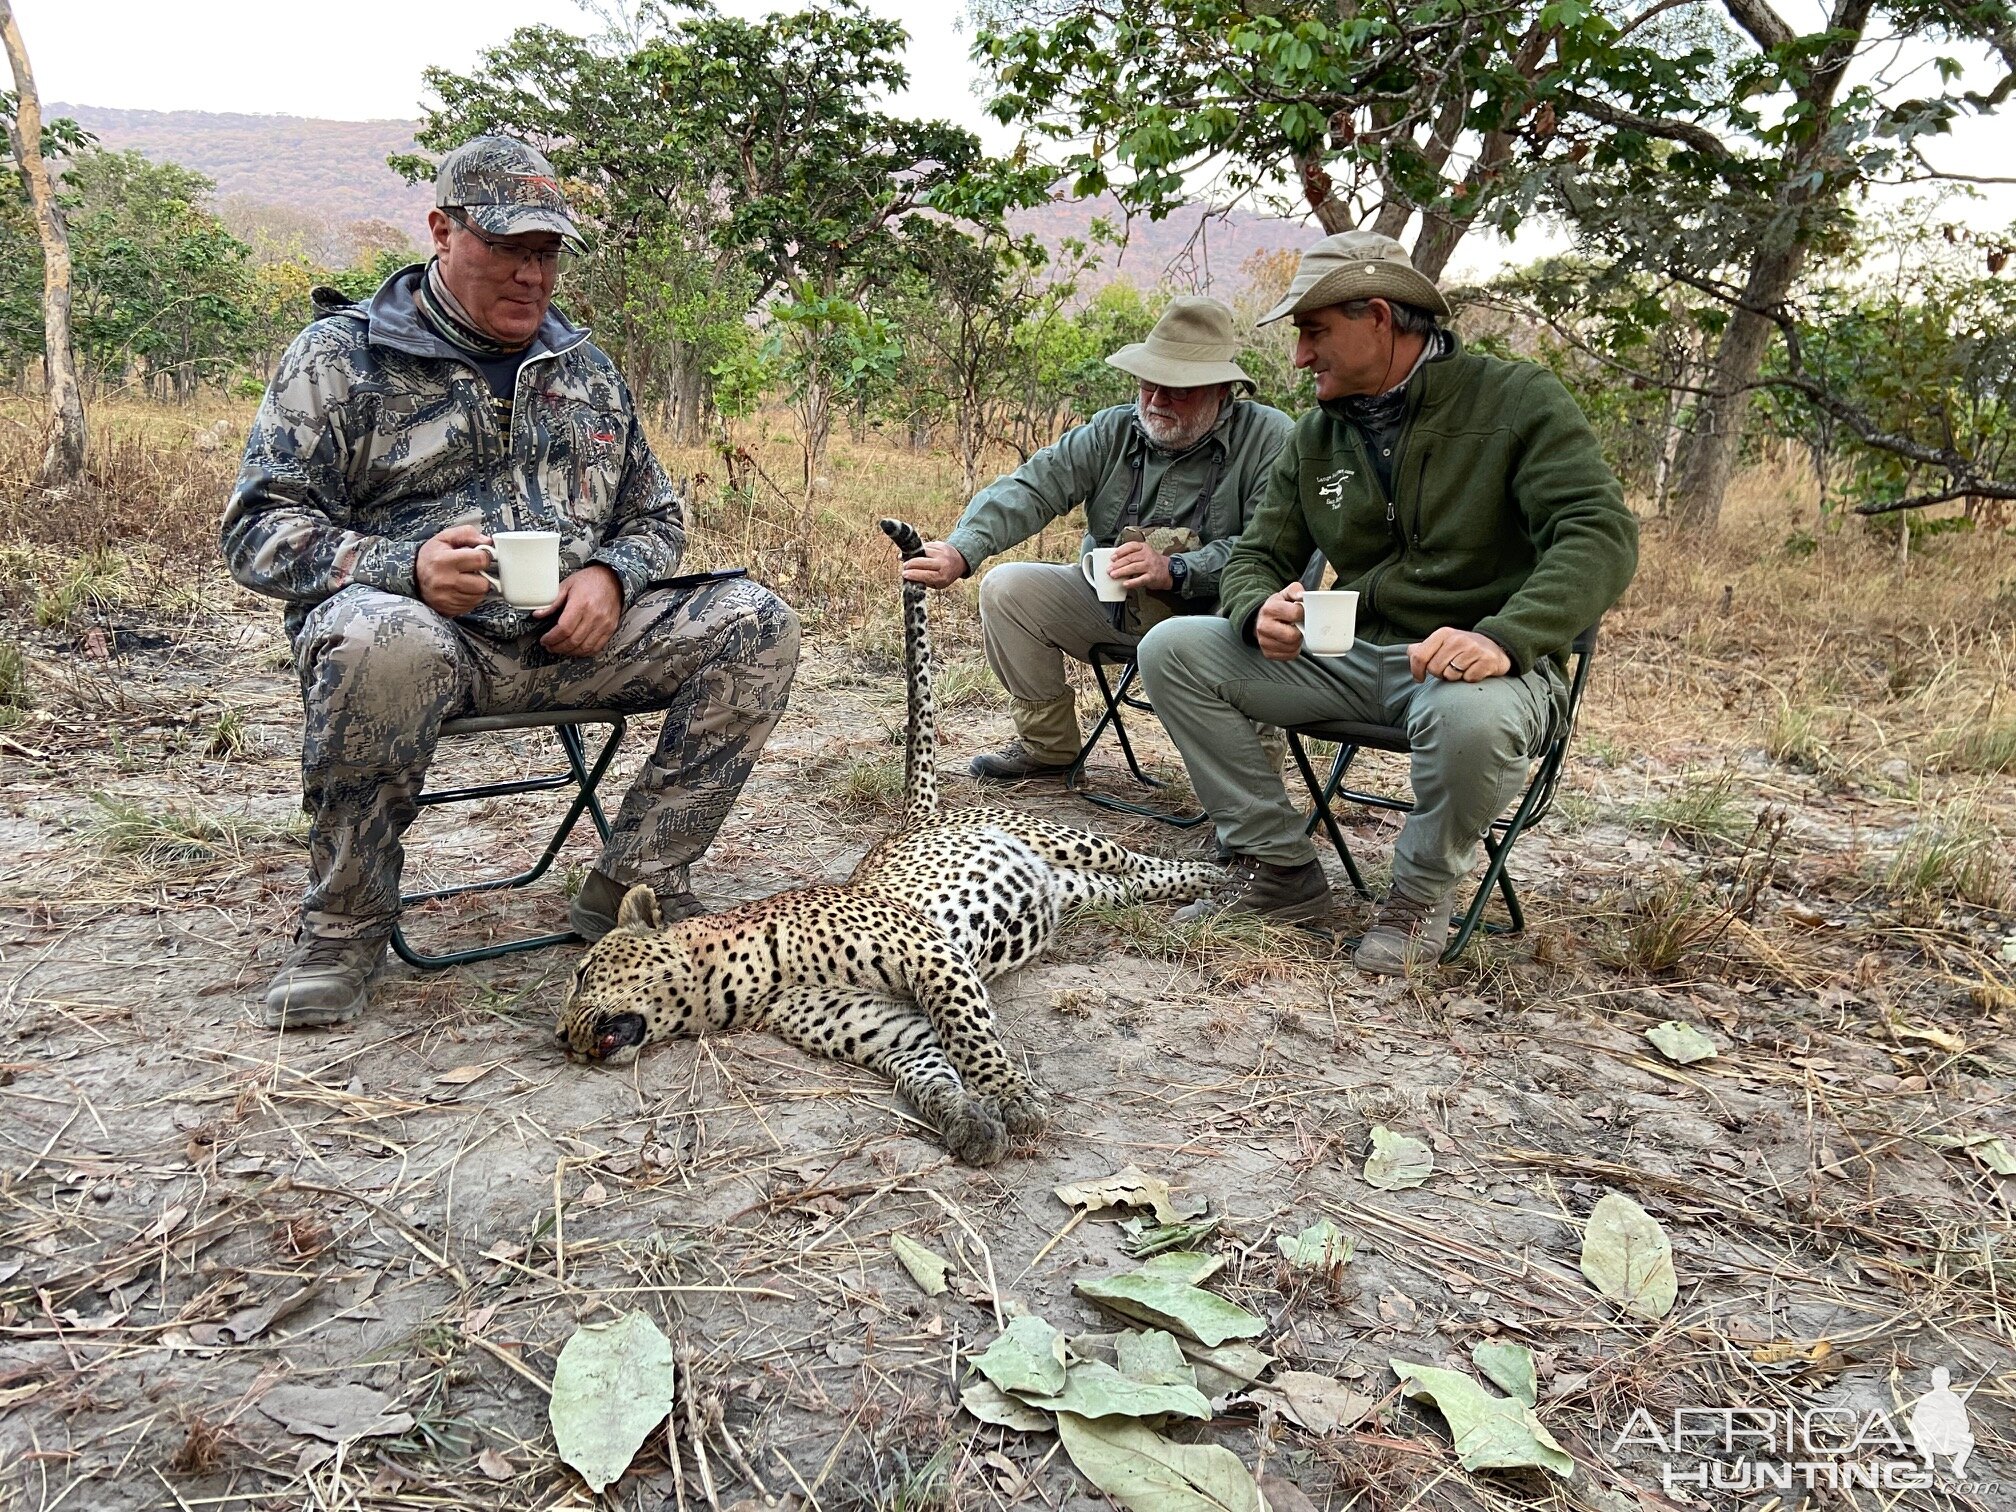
x: 546, y: 259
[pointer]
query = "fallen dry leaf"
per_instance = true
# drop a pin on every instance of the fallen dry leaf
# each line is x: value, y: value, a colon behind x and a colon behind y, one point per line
x: 494, y: 1465
x: 1130, y: 1187
x: 461, y: 1076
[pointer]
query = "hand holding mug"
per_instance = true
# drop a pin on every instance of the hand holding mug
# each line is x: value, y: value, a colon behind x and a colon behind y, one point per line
x: 1278, y: 627
x: 1136, y: 564
x: 450, y: 570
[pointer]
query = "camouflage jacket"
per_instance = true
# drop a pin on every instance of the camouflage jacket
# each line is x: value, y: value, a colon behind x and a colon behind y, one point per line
x: 376, y: 434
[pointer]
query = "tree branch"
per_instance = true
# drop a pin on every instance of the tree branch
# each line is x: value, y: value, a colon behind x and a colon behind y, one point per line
x: 1765, y: 26
x: 1700, y: 138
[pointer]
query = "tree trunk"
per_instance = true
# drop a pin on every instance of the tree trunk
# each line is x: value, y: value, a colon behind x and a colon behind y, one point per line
x: 63, y: 462
x: 1716, y: 437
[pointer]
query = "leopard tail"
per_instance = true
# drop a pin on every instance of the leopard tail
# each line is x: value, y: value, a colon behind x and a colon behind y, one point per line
x: 920, y: 744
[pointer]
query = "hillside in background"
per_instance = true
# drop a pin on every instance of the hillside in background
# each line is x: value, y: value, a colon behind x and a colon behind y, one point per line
x: 334, y: 172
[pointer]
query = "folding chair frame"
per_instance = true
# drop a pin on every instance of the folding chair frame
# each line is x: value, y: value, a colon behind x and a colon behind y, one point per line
x: 1118, y: 696
x: 580, y: 775
x: 1499, y: 838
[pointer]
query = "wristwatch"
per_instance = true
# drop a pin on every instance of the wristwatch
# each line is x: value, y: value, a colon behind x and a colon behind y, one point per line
x: 1179, y: 573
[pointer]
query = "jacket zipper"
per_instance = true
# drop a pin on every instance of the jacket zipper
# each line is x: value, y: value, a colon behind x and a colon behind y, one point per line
x: 1369, y: 597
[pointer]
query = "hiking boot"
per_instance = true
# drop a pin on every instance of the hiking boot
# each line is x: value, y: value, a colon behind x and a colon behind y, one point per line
x: 1015, y: 760
x: 1288, y: 894
x: 1405, y: 933
x: 591, y: 913
x: 322, y: 982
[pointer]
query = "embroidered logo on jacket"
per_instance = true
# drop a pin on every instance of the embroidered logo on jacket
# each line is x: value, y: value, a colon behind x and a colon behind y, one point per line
x: 1331, y: 489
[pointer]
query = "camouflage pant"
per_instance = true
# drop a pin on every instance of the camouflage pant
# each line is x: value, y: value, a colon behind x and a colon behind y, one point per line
x: 379, y: 674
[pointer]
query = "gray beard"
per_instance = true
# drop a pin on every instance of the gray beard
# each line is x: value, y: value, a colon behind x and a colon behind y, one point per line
x: 1177, y: 437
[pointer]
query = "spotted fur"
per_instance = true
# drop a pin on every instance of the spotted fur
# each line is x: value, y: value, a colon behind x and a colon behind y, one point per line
x: 889, y: 969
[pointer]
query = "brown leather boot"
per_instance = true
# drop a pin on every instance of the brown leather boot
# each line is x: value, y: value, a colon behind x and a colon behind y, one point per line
x: 592, y: 913
x: 1287, y: 894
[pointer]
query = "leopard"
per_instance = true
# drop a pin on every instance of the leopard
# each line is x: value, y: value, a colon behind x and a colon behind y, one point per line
x: 888, y: 970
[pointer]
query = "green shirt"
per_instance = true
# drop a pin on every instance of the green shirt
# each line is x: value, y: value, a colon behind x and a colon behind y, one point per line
x: 1094, y: 465
x: 1503, y: 519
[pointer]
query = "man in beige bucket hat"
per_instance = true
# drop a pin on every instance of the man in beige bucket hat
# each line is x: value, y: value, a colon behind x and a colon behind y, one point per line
x: 1171, y: 479
x: 1466, y: 501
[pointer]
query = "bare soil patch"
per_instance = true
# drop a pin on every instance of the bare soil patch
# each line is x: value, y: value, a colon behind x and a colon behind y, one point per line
x: 194, y: 1213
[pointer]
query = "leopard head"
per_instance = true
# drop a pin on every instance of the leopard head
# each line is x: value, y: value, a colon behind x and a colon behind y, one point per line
x: 634, y: 985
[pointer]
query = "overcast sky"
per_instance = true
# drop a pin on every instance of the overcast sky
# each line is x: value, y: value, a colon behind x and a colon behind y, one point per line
x: 362, y: 61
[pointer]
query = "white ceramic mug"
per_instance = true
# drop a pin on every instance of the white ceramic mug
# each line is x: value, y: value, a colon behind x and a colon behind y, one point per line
x: 1097, y: 565
x: 528, y: 567
x: 1329, y: 622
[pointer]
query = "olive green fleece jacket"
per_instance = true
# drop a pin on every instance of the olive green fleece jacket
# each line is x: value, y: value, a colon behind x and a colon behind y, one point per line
x: 1093, y: 465
x: 1504, y: 519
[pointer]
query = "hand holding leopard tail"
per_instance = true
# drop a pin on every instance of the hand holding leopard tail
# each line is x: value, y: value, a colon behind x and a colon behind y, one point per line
x: 889, y: 969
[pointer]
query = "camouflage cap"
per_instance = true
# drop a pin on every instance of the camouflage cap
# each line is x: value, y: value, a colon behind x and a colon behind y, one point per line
x: 504, y: 187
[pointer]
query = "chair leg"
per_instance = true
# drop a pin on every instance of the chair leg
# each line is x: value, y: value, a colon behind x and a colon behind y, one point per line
x: 1074, y: 775
x: 587, y: 779
x: 1320, y: 794
x: 1495, y: 875
x: 1114, y: 698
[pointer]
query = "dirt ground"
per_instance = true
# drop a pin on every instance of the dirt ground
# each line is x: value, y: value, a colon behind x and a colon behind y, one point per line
x: 195, y: 1213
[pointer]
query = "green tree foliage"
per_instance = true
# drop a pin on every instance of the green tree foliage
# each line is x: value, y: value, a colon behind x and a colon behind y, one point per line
x: 1919, y: 348
x: 727, y: 164
x: 1713, y: 146
x: 160, y: 295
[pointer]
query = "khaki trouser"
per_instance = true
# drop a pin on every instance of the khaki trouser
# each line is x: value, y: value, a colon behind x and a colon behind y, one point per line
x: 1472, y: 743
x: 380, y: 673
x: 1034, y: 614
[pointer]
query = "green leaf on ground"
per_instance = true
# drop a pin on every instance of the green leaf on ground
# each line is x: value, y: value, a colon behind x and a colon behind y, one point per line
x: 1227, y: 1368
x: 611, y: 1386
x: 1397, y: 1161
x: 1319, y: 1403
x: 1131, y: 1187
x: 1680, y: 1043
x: 1509, y: 1367
x: 1026, y: 1360
x: 1992, y: 1150
x: 1162, y: 1296
x: 1628, y: 1258
x: 1153, y: 1356
x: 1145, y: 1472
x: 1491, y: 1432
x: 926, y: 1268
x: 991, y: 1404
x: 1189, y: 1267
x: 1095, y: 1389
x: 1145, y: 1238
x: 1319, y: 1246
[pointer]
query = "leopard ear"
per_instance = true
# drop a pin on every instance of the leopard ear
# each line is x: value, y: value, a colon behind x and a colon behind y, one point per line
x: 639, y: 909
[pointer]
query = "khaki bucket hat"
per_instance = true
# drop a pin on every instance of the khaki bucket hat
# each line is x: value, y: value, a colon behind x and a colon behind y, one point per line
x: 1356, y: 265
x: 1192, y: 344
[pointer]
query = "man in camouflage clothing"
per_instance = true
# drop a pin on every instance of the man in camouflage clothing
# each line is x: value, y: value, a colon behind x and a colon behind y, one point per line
x: 1170, y: 479
x: 395, y: 437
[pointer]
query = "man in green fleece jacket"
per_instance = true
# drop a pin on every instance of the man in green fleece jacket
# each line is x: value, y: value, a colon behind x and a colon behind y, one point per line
x: 1466, y: 501
x: 1171, y: 479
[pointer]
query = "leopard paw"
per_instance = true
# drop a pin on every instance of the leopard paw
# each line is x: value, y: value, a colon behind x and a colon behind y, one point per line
x: 1025, y: 1111
x: 974, y: 1134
